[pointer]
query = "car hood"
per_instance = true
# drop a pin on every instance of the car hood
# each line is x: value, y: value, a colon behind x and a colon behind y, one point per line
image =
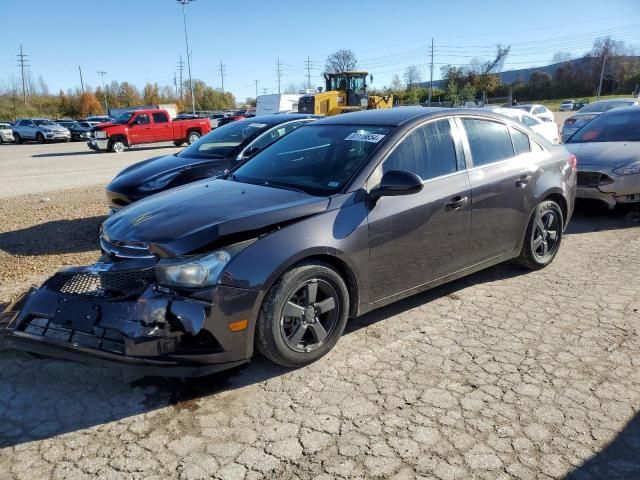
x: 141, y: 172
x: 189, y: 218
x: 605, y: 154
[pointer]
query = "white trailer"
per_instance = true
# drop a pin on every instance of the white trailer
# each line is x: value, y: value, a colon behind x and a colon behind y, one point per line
x: 277, y: 103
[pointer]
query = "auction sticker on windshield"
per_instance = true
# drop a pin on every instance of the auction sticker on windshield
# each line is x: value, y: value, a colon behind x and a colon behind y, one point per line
x: 365, y: 137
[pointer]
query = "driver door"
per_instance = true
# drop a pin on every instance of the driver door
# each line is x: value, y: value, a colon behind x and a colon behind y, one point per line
x: 140, y: 130
x: 418, y: 238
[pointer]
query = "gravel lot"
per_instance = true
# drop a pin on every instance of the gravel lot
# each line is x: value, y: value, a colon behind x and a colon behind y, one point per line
x: 504, y: 374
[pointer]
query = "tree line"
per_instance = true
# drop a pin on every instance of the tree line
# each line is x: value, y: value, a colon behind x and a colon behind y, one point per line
x: 76, y: 103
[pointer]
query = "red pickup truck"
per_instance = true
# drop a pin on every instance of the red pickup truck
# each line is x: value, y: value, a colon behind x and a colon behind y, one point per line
x: 146, y: 126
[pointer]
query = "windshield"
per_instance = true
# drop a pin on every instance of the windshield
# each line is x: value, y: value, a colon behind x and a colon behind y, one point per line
x: 317, y: 159
x: 43, y: 122
x: 224, y: 141
x: 347, y: 82
x: 124, y: 118
x: 618, y: 127
x: 605, y: 106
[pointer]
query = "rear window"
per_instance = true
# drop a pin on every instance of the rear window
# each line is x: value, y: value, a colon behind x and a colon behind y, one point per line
x: 520, y: 141
x: 489, y: 141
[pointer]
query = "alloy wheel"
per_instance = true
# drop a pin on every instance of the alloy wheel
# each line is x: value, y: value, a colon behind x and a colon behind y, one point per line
x: 310, y: 315
x: 546, y: 236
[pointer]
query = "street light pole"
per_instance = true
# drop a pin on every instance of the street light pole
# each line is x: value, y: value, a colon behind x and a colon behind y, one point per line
x: 186, y: 41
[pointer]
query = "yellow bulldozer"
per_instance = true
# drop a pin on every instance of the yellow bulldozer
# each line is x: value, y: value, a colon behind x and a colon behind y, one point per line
x: 344, y: 92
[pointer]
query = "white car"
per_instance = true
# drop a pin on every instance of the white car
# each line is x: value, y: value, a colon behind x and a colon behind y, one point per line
x: 566, y: 106
x: 539, y: 111
x: 548, y: 130
x: 6, y: 134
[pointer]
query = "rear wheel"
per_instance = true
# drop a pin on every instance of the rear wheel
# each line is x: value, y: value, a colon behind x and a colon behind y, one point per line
x: 40, y: 138
x: 193, y: 136
x: 303, y: 315
x: 543, y: 237
x: 116, y: 146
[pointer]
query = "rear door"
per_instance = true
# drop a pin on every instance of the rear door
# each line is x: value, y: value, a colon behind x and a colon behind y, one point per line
x: 141, y: 130
x: 162, y: 131
x: 501, y: 186
x: 417, y: 238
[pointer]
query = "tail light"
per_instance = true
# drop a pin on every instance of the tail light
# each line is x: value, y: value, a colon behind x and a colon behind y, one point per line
x: 573, y: 161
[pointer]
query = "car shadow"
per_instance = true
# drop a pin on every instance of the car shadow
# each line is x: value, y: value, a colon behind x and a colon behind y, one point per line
x: 620, y: 459
x: 593, y: 216
x: 93, y: 152
x: 32, y: 385
x: 55, y: 237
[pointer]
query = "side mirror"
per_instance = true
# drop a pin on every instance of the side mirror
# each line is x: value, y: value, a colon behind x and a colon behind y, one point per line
x: 397, y: 182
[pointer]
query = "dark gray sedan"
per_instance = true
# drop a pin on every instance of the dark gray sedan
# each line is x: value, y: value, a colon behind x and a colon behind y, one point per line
x: 340, y: 217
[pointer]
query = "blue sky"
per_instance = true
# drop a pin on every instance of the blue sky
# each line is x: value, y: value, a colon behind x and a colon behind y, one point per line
x: 139, y: 40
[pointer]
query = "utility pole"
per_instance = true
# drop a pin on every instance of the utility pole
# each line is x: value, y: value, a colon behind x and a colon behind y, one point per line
x: 264, y: 91
x: 81, y: 82
x: 22, y: 62
x: 180, y: 69
x: 256, y: 88
x: 104, y: 92
x: 431, y: 77
x: 186, y: 41
x: 279, y: 73
x: 222, y: 72
x: 308, y: 65
x: 605, y: 51
x: 175, y: 82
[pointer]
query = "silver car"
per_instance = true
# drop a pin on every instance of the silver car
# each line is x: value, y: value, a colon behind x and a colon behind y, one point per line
x: 6, y: 134
x: 588, y: 112
x: 41, y: 130
x: 608, y: 154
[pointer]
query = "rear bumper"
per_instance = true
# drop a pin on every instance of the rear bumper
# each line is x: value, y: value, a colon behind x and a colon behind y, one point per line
x: 158, y: 333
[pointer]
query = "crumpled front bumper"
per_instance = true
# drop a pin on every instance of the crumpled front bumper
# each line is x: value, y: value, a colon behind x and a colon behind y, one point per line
x: 99, y: 145
x: 157, y: 332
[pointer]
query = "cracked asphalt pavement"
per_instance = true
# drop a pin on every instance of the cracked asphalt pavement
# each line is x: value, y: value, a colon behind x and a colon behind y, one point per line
x: 504, y: 374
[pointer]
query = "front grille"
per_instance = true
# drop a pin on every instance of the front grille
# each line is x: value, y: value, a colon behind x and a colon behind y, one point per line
x: 124, y: 251
x: 102, y: 285
x: 592, y: 179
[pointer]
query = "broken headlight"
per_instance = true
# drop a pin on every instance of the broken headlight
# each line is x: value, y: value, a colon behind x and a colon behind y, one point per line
x: 628, y: 169
x: 192, y: 271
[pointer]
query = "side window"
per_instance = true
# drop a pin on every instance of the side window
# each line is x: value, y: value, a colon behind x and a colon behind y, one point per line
x: 142, y: 119
x: 489, y: 141
x: 160, y: 117
x: 520, y: 141
x: 428, y: 152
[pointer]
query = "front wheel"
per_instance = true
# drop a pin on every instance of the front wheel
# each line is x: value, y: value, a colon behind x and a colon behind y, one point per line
x: 178, y: 143
x: 40, y: 137
x: 303, y: 315
x: 17, y: 138
x: 116, y: 146
x: 543, y: 237
x: 193, y: 136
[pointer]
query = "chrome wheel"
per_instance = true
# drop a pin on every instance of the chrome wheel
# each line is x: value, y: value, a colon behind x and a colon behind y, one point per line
x: 193, y: 136
x: 118, y: 147
x: 310, y: 315
x: 545, y: 236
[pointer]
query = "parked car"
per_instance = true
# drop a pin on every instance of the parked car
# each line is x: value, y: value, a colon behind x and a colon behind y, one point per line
x: 215, y: 118
x: 233, y: 117
x: 539, y: 111
x: 6, y: 134
x: 98, y: 119
x: 566, y: 105
x: 211, y: 155
x: 78, y: 132
x: 591, y: 111
x: 40, y: 129
x: 608, y: 153
x: 548, y: 130
x: 146, y: 126
x: 342, y: 216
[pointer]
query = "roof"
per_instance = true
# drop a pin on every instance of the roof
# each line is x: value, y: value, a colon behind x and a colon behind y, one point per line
x: 394, y: 117
x: 276, y: 119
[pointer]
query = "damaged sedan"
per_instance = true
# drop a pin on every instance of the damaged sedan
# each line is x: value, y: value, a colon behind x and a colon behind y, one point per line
x: 341, y: 216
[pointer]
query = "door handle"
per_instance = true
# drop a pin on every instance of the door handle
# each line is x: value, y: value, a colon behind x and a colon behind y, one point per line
x: 457, y: 202
x: 523, y: 181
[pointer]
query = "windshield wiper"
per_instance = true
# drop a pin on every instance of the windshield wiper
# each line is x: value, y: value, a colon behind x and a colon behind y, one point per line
x: 283, y: 187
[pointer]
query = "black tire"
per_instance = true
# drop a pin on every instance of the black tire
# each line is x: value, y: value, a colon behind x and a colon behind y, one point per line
x: 116, y: 145
x: 178, y: 144
x: 543, y: 238
x: 40, y: 138
x: 277, y: 332
x: 192, y: 137
x: 17, y: 138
